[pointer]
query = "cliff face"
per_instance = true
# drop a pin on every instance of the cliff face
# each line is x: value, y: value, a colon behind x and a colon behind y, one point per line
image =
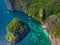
x: 15, y: 5
x: 54, y: 40
x: 53, y: 28
x: 53, y: 23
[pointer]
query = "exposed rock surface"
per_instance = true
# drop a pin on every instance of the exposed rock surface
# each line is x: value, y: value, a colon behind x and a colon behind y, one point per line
x: 55, y: 41
x: 15, y: 5
x: 53, y: 23
x: 53, y: 27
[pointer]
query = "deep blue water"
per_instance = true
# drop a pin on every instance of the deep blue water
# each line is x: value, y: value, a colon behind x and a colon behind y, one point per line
x: 6, y: 16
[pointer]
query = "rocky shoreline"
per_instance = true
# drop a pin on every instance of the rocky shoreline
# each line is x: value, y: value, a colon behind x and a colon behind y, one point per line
x: 8, y: 4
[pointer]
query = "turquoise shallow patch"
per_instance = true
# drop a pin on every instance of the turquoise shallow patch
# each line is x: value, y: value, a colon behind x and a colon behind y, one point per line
x: 40, y: 34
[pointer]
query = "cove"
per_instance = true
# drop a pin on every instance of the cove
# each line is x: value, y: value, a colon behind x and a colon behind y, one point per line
x: 37, y: 35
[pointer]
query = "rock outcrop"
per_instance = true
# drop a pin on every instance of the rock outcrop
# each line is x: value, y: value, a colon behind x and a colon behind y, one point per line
x: 53, y: 28
x: 16, y: 30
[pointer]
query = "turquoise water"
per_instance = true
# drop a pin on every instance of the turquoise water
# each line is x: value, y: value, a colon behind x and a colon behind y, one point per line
x: 37, y: 35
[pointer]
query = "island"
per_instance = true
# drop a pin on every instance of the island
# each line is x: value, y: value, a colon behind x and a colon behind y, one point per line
x: 16, y: 30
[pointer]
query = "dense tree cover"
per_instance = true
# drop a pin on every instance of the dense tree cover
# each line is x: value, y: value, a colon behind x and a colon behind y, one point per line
x: 57, y: 33
x: 33, y: 7
x: 53, y: 8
